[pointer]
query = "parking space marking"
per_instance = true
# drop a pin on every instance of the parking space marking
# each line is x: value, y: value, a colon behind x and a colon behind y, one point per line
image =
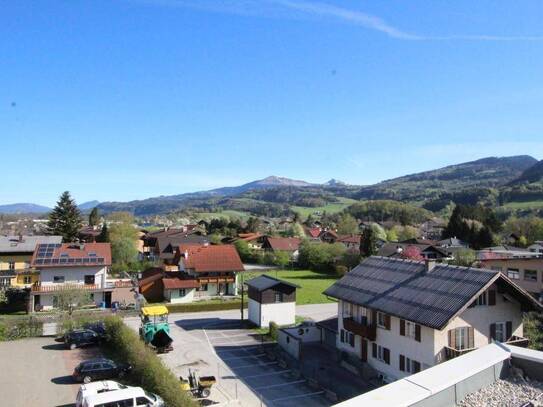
x: 279, y: 385
x: 245, y: 357
x: 318, y: 393
x: 260, y: 364
x: 266, y: 374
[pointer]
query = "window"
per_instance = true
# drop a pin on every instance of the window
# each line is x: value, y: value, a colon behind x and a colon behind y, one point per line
x: 143, y: 401
x: 496, y: 268
x: 203, y: 287
x: 513, y: 274
x: 342, y: 336
x: 27, y: 280
x: 182, y: 292
x: 346, y: 337
x: 381, y: 320
x: 11, y: 265
x: 58, y: 279
x: 481, y: 300
x: 461, y: 338
x: 383, y: 354
x: 410, y: 328
x: 409, y: 365
x: 500, y: 335
x: 278, y: 297
x: 89, y: 279
x: 347, y: 309
x: 530, y: 275
x: 351, y: 338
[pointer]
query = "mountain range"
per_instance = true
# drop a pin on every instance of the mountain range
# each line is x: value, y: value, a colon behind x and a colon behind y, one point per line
x: 492, y: 180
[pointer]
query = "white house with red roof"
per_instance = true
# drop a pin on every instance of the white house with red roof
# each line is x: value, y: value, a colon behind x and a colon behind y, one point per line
x: 69, y: 265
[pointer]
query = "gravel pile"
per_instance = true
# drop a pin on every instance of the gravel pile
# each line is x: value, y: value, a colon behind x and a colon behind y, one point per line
x: 511, y: 392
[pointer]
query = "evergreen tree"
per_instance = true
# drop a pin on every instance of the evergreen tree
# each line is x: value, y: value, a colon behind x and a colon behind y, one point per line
x: 94, y: 217
x: 368, y: 242
x: 65, y: 219
x: 103, y: 237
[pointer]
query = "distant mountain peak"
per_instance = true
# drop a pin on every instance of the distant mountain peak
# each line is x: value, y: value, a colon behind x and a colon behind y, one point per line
x: 23, y: 208
x: 88, y: 205
x: 334, y: 182
x: 279, y: 181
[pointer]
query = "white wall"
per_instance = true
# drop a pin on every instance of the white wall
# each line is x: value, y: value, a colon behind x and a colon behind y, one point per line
x: 254, y: 312
x: 46, y: 300
x: 74, y: 275
x: 173, y: 295
x: 282, y: 313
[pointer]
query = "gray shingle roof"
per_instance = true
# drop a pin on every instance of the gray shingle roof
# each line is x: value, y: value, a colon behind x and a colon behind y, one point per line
x: 13, y: 244
x: 405, y: 289
x: 263, y: 282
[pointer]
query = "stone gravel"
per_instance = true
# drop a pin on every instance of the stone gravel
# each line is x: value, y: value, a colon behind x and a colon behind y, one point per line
x: 511, y: 392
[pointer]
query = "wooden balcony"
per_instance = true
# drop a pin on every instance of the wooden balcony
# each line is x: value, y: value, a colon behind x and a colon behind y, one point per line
x: 216, y: 280
x: 518, y: 341
x: 49, y: 288
x: 365, y: 331
x: 451, y: 353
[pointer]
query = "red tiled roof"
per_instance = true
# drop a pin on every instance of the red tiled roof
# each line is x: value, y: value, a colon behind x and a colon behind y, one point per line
x: 72, y: 255
x: 174, y: 283
x: 314, y: 232
x: 213, y: 258
x: 249, y: 236
x: 287, y: 244
x: 349, y: 239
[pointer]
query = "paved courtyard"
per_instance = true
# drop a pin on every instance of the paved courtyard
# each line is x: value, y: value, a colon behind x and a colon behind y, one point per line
x: 214, y: 343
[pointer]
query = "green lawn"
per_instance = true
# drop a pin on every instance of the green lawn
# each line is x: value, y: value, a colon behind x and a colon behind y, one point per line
x: 226, y: 214
x: 524, y: 205
x: 312, y: 284
x: 305, y: 211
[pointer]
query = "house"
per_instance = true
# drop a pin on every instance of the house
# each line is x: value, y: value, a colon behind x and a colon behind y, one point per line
x: 89, y: 234
x: 328, y: 236
x: 526, y: 272
x: 313, y: 233
x: 452, y: 246
x: 290, y: 245
x: 83, y: 266
x: 403, y: 316
x: 271, y: 300
x: 536, y: 247
x: 351, y: 242
x: 403, y: 249
x: 161, y: 245
x: 150, y: 284
x: 15, y: 259
x: 433, y: 228
x: 505, y: 251
x: 214, y: 268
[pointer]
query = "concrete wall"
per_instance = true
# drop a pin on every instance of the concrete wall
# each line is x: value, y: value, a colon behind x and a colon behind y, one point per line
x: 174, y: 297
x: 289, y: 343
x: 47, y: 300
x: 282, y: 313
x: 254, y: 312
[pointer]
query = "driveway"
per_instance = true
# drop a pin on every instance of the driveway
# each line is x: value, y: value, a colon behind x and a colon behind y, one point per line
x: 37, y: 372
x: 214, y: 343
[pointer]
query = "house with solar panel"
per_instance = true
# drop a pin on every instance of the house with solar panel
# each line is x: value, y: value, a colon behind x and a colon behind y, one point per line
x: 402, y: 316
x: 76, y: 265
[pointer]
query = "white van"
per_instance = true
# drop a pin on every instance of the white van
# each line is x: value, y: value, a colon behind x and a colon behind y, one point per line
x: 97, y: 388
x: 129, y: 397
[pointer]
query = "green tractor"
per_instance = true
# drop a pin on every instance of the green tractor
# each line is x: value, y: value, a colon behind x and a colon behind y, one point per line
x: 154, y: 328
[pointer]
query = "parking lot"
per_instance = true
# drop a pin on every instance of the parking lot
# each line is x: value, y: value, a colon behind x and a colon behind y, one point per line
x: 37, y: 372
x: 216, y: 344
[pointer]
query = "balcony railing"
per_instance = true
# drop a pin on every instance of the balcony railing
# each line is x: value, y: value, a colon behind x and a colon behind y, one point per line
x: 361, y: 329
x: 518, y: 341
x: 451, y: 353
x: 216, y: 280
x: 47, y: 288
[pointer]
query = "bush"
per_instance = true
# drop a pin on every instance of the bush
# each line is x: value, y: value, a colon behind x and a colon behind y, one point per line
x: 273, y: 330
x: 147, y: 368
x: 19, y: 328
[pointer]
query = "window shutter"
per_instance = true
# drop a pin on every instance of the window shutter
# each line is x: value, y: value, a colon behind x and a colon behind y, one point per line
x: 364, y: 350
x: 402, y: 363
x: 373, y: 317
x: 402, y: 327
x: 387, y: 321
x: 452, y: 338
x: 417, y: 332
x: 351, y: 339
x: 374, y: 350
x: 493, y: 331
x: 508, y: 330
x: 491, y: 297
x: 386, y: 355
x: 470, y: 337
x: 416, y: 366
x: 342, y: 336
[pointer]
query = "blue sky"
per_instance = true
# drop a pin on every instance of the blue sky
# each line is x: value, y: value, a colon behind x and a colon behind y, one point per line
x: 127, y: 99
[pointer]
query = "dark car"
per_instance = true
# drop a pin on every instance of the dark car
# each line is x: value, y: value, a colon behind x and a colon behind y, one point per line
x: 81, y: 337
x: 99, y: 369
x: 98, y: 327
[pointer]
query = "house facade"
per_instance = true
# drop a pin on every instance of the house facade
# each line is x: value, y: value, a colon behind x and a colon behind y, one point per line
x: 526, y: 272
x: 402, y: 316
x: 82, y: 266
x: 16, y: 256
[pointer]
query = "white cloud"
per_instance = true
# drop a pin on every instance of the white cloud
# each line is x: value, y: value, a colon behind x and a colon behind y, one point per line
x: 311, y: 9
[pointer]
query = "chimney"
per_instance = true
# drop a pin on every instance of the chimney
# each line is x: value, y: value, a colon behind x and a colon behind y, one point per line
x: 186, y: 254
x: 399, y: 249
x: 429, y: 265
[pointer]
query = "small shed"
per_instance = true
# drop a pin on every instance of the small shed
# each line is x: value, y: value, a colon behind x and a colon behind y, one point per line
x: 271, y: 299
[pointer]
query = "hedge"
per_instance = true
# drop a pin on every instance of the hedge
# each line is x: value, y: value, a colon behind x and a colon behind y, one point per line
x: 147, y: 369
x: 198, y: 307
x: 18, y: 328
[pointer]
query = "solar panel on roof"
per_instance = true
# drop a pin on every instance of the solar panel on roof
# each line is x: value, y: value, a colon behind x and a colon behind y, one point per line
x: 79, y: 260
x: 39, y: 261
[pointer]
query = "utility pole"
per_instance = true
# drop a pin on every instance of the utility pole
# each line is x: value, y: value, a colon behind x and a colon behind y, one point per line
x: 241, y: 309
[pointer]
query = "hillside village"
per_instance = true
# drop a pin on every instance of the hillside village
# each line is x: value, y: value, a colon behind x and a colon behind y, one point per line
x: 376, y: 290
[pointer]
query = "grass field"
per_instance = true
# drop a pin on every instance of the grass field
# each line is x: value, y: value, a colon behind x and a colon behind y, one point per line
x: 305, y: 211
x: 524, y: 205
x: 312, y: 284
x: 227, y: 214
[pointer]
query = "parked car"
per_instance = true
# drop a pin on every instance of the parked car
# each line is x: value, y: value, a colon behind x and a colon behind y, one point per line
x: 81, y: 337
x: 99, y: 369
x: 98, y: 327
x: 96, y: 388
x: 131, y: 396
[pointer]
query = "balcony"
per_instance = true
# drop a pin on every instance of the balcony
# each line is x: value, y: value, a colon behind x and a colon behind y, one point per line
x: 365, y: 331
x: 451, y: 353
x: 216, y: 280
x: 518, y: 341
x: 48, y: 288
